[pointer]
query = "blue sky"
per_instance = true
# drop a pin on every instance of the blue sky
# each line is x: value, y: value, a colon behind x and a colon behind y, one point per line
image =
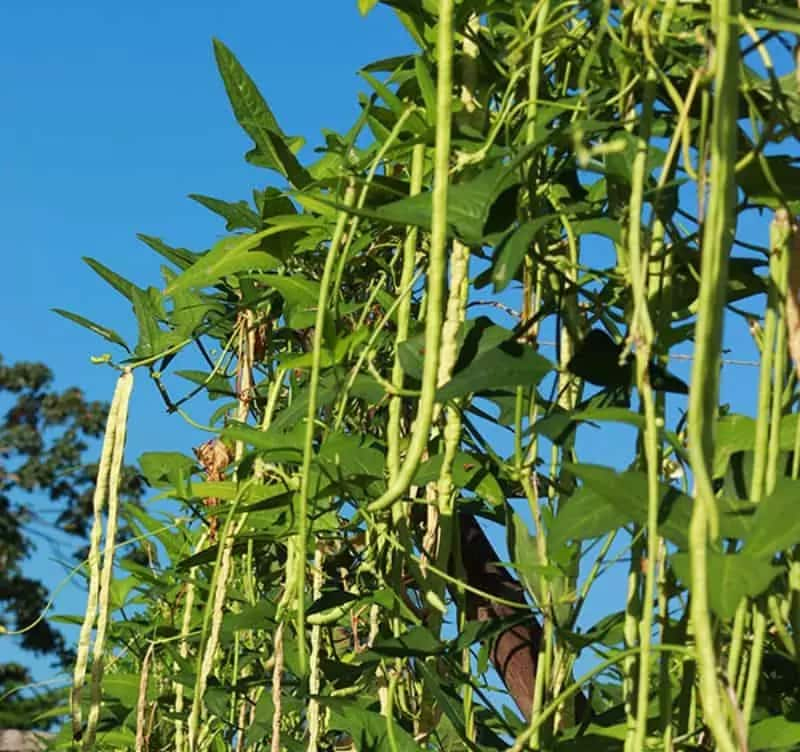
x: 113, y: 113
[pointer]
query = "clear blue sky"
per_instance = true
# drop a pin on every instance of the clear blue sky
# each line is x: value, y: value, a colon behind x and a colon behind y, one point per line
x: 112, y: 114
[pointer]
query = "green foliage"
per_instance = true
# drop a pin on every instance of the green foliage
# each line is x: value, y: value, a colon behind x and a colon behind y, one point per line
x: 296, y: 609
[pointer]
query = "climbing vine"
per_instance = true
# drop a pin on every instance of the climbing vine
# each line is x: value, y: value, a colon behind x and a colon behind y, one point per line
x: 409, y: 342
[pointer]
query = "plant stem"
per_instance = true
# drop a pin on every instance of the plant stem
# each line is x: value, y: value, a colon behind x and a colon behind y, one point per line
x: 704, y: 394
x: 437, y: 258
x: 311, y: 416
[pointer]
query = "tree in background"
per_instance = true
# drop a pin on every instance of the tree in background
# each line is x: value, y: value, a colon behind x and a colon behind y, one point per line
x: 46, y: 488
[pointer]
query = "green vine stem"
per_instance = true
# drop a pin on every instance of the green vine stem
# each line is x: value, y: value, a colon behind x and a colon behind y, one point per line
x: 704, y: 394
x: 212, y: 617
x: 643, y: 335
x: 765, y: 468
x: 780, y: 239
x: 763, y: 441
x: 223, y: 568
x: 394, y: 431
x: 436, y: 264
x: 759, y: 623
x: 311, y: 416
x: 525, y: 738
x: 314, y: 679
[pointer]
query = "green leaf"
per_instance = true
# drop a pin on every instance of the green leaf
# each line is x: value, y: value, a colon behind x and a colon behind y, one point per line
x: 756, y: 186
x: 216, y: 699
x: 162, y: 468
x: 256, y: 118
x: 628, y: 492
x: 238, y: 216
x: 301, y: 296
x: 290, y: 166
x: 776, y: 524
x: 587, y: 514
x: 733, y: 577
x: 366, y: 729
x: 295, y: 290
x: 365, y: 6
x: 228, y: 490
x: 470, y: 472
x: 451, y: 705
x: 249, y: 107
x: 468, y: 205
x: 172, y: 543
x: 281, y: 446
x: 228, y: 256
x: 735, y: 517
x: 215, y: 387
x: 181, y: 257
x: 103, y: 331
x: 605, y: 226
x: 189, y: 308
x: 509, y: 365
x: 120, y: 284
x: 426, y: 87
x: 331, y: 606
x: 151, y: 338
x: 122, y: 687
x: 734, y: 433
x: 117, y: 738
x: 345, y: 455
x: 397, y: 106
x: 417, y: 642
x: 776, y: 733
x: 258, y: 617
x: 522, y: 547
x: 511, y: 250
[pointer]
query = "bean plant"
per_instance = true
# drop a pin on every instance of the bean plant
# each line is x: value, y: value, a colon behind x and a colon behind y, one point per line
x: 386, y: 537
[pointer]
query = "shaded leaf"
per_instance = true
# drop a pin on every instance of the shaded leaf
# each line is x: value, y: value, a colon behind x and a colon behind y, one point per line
x: 776, y: 524
x: 469, y: 472
x: 774, y: 733
x: 416, y: 642
x: 511, y: 250
x: 162, y: 468
x: 366, y: 729
x: 587, y: 514
x: 628, y: 492
x: 734, y: 576
x: 469, y: 205
x: 509, y: 365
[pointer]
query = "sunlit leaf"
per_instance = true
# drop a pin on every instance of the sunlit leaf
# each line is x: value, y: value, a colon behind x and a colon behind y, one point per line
x: 104, y: 332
